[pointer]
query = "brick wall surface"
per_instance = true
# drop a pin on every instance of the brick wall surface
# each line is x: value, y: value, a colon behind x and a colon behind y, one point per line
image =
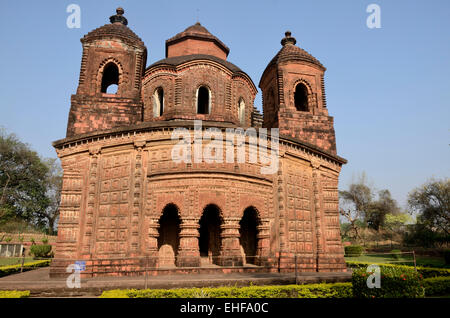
x: 119, y: 175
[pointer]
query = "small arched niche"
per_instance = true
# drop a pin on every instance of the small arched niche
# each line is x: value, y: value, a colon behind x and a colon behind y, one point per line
x: 301, y: 97
x: 241, y: 111
x: 203, y: 100
x: 110, y: 79
x: 158, y: 102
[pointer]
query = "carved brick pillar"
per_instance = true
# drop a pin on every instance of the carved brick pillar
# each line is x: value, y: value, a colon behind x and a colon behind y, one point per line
x: 89, y: 224
x: 285, y: 257
x: 152, y: 241
x: 189, y: 252
x: 230, y: 253
x: 317, y: 212
x: 137, y: 201
x: 263, y: 237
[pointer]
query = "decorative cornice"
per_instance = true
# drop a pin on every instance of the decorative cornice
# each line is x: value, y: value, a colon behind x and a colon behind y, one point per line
x: 166, y: 127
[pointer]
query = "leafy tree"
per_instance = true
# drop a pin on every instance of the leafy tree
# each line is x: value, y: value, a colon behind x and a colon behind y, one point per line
x: 378, y: 210
x: 363, y: 208
x: 431, y: 203
x: 396, y: 225
x: 48, y: 217
x: 22, y: 179
x: 395, y: 222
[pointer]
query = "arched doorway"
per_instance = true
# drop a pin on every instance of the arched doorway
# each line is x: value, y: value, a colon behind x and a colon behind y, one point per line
x: 249, y: 234
x: 169, y: 236
x: 210, y: 240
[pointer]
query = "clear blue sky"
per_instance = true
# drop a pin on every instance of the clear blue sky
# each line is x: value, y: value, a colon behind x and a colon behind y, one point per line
x: 388, y: 89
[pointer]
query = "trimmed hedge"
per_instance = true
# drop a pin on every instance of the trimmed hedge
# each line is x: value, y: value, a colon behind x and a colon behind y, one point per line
x: 14, y: 294
x: 335, y: 290
x: 353, y: 250
x: 427, y: 272
x: 395, y: 282
x: 41, y: 251
x: 433, y: 287
x: 447, y: 257
x: 437, y: 286
x: 12, y: 269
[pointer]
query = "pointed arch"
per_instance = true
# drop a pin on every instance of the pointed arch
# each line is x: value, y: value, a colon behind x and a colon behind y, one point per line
x: 110, y: 73
x: 302, y: 91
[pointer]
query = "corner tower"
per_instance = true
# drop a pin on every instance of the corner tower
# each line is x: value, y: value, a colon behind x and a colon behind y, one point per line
x: 294, y: 97
x: 113, y: 55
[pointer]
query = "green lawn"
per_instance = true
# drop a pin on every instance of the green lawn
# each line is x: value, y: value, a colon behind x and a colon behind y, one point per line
x: 5, y: 261
x: 407, y: 259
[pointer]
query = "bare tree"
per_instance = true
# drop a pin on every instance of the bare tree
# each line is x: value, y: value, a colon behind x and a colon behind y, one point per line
x: 355, y: 202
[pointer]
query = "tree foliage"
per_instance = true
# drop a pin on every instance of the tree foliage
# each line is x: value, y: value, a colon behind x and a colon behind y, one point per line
x: 363, y: 207
x: 22, y: 179
x: 378, y: 210
x: 48, y: 217
x: 29, y: 185
x: 431, y: 205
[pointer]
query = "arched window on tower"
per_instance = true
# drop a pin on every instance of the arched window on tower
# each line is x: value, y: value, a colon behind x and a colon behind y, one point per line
x: 301, y: 97
x: 110, y: 79
x: 203, y: 100
x: 158, y: 102
x: 241, y: 111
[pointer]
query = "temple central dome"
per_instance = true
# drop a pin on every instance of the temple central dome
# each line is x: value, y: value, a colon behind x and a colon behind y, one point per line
x: 196, y: 39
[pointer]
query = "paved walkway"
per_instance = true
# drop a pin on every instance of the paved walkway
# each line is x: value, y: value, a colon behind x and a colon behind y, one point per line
x: 39, y: 283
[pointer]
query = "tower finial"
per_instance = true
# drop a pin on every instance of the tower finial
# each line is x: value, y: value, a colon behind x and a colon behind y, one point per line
x: 288, y: 39
x: 118, y: 17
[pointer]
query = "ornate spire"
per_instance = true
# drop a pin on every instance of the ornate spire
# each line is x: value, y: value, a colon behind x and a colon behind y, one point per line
x: 288, y: 39
x: 118, y: 17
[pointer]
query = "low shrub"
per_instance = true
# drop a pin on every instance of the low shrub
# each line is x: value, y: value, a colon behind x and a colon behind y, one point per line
x: 396, y: 255
x: 437, y: 286
x: 41, y: 251
x: 335, y: 290
x: 116, y: 293
x: 447, y: 257
x: 14, y: 294
x: 395, y: 282
x: 12, y: 269
x: 426, y: 272
x: 354, y: 250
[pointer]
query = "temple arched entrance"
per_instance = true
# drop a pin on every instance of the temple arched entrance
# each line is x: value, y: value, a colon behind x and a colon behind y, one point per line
x: 249, y: 234
x: 210, y: 230
x: 169, y: 236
